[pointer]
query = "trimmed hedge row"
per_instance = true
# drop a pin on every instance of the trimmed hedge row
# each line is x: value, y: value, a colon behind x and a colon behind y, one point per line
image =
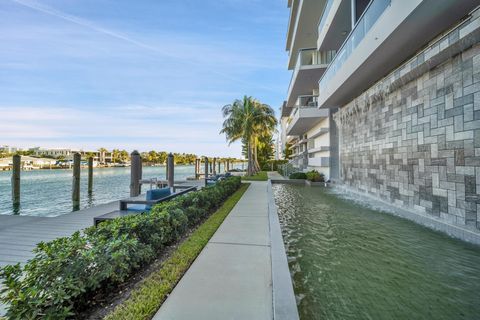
x: 297, y: 175
x: 67, y: 272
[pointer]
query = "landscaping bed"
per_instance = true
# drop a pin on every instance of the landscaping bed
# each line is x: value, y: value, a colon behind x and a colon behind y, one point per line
x: 259, y: 176
x: 68, y: 274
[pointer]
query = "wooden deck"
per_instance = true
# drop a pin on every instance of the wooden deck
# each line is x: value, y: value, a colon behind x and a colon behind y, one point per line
x: 20, y: 234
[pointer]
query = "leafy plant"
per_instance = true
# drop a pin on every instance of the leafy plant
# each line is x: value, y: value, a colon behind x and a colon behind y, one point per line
x: 66, y: 272
x: 298, y: 175
x: 315, y: 176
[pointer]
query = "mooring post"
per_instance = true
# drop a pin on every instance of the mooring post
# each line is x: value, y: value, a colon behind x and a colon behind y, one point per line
x: 135, y: 173
x: 90, y: 175
x: 206, y: 170
x: 17, y: 162
x: 171, y: 169
x: 76, y: 180
x: 196, y: 167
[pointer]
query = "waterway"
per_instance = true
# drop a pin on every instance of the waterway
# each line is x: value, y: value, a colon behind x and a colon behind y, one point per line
x: 47, y: 193
x: 349, y: 261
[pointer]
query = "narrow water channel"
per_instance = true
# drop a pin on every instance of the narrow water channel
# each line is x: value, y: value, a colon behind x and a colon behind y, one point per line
x: 351, y: 262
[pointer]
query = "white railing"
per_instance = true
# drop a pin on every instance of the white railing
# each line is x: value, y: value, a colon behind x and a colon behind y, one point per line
x: 371, y: 14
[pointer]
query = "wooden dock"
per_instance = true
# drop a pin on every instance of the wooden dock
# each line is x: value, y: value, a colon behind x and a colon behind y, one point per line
x: 20, y: 234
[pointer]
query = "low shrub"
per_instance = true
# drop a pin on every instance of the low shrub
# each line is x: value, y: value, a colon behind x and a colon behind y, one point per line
x: 298, y: 175
x: 315, y: 176
x: 65, y: 273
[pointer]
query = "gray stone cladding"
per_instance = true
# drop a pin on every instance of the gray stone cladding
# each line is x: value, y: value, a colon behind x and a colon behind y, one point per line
x: 415, y: 141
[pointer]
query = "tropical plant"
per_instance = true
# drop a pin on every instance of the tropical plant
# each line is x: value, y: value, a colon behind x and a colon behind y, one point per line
x: 287, y: 152
x: 315, y: 176
x: 248, y: 120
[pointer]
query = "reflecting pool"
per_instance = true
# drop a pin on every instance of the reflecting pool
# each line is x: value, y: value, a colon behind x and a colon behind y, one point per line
x: 349, y: 261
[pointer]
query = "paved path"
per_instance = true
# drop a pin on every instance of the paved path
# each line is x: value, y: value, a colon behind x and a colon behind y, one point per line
x: 274, y: 175
x: 232, y: 276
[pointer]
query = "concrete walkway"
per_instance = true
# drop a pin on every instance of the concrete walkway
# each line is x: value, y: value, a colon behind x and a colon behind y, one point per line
x: 274, y: 175
x: 232, y: 276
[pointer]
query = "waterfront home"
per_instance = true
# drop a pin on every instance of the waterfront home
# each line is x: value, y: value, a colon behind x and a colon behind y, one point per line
x: 385, y: 99
x: 28, y: 163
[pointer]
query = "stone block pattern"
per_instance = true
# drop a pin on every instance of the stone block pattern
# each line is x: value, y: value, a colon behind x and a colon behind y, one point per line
x: 418, y: 146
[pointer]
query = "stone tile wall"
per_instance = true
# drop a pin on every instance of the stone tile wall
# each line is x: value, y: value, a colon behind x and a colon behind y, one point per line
x: 416, y: 142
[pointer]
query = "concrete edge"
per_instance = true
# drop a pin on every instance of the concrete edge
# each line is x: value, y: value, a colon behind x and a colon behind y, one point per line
x: 451, y: 230
x: 284, y: 302
x: 288, y: 181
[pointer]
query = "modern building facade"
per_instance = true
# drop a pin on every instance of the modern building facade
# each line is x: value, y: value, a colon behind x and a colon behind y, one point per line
x: 396, y: 83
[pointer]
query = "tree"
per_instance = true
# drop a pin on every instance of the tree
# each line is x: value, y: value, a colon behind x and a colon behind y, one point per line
x: 287, y: 152
x: 248, y: 120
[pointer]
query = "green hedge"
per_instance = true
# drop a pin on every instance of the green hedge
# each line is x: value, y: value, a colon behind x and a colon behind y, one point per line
x: 298, y: 175
x: 67, y: 272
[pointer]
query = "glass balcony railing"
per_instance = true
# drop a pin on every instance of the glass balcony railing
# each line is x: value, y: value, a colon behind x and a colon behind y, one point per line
x: 311, y: 57
x: 374, y: 10
x: 326, y: 10
x: 309, y: 101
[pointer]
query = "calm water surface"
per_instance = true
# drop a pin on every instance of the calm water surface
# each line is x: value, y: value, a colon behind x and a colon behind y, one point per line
x: 48, y: 192
x: 351, y: 262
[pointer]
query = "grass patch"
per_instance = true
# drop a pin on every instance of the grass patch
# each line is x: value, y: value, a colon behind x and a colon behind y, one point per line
x: 260, y: 176
x: 144, y: 302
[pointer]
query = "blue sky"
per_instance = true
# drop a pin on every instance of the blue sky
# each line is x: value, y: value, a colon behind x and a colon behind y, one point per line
x: 143, y: 74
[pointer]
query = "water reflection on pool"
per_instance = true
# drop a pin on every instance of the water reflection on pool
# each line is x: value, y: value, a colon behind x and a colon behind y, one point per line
x: 351, y: 262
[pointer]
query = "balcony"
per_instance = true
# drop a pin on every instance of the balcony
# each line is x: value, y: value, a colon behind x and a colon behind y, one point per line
x: 334, y: 25
x: 385, y: 35
x: 309, y: 68
x: 305, y: 115
x: 302, y: 32
x: 319, y: 162
x: 319, y: 149
x: 368, y: 19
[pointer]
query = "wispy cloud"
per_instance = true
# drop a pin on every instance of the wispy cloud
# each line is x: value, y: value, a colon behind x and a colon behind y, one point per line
x: 77, y: 73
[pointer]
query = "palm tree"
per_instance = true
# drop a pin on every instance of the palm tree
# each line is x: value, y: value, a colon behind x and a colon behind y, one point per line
x: 248, y: 120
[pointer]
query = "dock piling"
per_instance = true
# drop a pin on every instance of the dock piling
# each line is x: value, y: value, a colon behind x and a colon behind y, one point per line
x: 76, y: 181
x: 135, y: 173
x: 206, y: 170
x: 90, y: 175
x: 170, y: 170
x: 17, y: 160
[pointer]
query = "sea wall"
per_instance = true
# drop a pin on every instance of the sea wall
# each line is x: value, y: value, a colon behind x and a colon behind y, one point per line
x: 413, y: 139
